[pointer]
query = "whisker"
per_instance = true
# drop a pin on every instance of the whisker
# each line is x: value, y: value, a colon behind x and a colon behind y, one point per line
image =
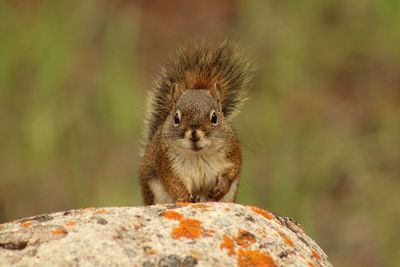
x: 171, y: 136
x: 218, y: 137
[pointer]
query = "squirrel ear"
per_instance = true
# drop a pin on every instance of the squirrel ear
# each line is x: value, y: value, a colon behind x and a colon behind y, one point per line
x: 216, y: 93
x: 176, y: 91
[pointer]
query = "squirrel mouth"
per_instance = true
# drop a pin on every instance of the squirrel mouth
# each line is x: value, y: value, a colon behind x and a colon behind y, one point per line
x: 196, y: 148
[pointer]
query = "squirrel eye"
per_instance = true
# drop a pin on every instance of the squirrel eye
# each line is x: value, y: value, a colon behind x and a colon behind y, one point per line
x: 213, y: 118
x: 177, y: 118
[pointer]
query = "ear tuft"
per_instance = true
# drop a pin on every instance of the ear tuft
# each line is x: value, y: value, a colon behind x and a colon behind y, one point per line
x: 177, y: 91
x: 216, y: 93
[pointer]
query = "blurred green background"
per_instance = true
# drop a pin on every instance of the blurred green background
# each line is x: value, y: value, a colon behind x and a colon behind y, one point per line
x: 320, y: 134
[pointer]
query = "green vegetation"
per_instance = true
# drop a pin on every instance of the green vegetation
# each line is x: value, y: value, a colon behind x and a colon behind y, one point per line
x: 320, y: 134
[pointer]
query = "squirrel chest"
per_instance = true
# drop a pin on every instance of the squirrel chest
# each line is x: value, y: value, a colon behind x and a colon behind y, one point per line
x: 199, y: 172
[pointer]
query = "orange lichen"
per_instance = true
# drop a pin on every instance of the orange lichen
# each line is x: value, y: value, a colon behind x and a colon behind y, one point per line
x: 227, y: 209
x: 209, y: 232
x: 90, y: 208
x: 287, y: 240
x: 151, y: 252
x: 189, y: 228
x: 59, y: 231
x: 248, y: 258
x: 261, y: 233
x: 1, y: 227
x: 101, y: 211
x: 316, y: 256
x: 172, y: 215
x: 200, y: 206
x: 262, y: 212
x: 310, y: 264
x: 26, y: 224
x: 245, y: 238
x: 183, y: 203
x: 70, y: 223
x: 228, y: 244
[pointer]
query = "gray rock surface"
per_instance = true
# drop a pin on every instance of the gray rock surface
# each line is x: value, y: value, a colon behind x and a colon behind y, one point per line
x: 182, y: 234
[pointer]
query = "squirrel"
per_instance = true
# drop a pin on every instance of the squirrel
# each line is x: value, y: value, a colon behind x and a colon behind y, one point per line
x: 191, y: 152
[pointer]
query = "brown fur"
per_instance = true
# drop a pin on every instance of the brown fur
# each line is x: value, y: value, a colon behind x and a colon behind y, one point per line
x: 229, y: 175
x: 197, y: 83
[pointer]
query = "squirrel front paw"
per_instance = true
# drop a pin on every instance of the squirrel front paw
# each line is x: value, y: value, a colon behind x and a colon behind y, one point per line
x: 220, y: 189
x: 193, y: 199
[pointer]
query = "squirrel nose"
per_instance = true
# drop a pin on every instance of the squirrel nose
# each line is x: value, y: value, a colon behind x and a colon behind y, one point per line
x: 194, y: 136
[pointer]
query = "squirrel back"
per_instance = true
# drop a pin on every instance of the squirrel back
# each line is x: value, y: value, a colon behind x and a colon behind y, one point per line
x: 200, y: 67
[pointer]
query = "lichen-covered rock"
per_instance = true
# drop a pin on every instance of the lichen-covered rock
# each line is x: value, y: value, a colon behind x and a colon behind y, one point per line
x: 182, y: 234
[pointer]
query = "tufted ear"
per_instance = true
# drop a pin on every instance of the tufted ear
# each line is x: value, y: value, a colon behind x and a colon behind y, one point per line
x: 216, y: 93
x: 177, y: 91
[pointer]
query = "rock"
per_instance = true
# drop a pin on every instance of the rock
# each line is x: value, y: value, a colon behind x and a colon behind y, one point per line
x: 182, y: 234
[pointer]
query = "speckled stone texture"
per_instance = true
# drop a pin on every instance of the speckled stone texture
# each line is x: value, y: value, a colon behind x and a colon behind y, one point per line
x: 182, y: 234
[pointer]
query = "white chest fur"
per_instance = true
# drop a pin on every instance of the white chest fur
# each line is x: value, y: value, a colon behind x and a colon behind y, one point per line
x: 199, y: 170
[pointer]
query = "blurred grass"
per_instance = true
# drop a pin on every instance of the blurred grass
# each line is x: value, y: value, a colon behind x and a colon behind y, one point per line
x: 325, y: 122
x: 321, y: 133
x: 70, y: 110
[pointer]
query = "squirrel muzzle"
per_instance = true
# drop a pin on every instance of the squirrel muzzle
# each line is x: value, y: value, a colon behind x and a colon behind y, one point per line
x: 196, y: 137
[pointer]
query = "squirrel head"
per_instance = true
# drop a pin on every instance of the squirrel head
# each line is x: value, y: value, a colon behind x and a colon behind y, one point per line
x: 196, y: 122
